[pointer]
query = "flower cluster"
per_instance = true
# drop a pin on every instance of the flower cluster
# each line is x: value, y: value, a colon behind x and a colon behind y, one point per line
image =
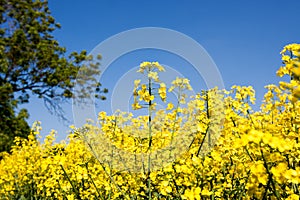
x: 242, y: 154
x: 291, y: 60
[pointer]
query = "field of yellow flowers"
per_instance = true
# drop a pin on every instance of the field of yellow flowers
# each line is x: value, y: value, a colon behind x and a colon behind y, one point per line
x: 210, y: 146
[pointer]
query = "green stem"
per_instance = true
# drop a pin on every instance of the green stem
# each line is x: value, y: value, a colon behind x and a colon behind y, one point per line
x: 208, y: 117
x: 177, y: 106
x: 150, y: 138
x: 97, y: 190
x: 108, y: 174
x: 270, y: 175
x: 73, y: 186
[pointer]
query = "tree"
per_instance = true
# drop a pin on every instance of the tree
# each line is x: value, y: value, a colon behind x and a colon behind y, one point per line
x: 33, y: 63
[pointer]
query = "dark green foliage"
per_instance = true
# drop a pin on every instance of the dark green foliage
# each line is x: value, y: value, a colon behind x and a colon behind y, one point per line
x: 33, y: 63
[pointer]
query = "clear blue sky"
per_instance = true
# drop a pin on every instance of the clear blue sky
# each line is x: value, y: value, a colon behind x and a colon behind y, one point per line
x: 243, y: 38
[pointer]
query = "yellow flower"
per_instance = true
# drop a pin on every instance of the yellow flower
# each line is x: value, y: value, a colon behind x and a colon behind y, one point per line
x: 192, y: 194
x: 293, y: 175
x: 153, y: 75
x: 158, y: 66
x: 101, y: 115
x: 165, y: 189
x: 206, y: 192
x: 162, y: 91
x: 137, y: 83
x: 150, y: 66
x: 136, y: 106
x: 293, y: 197
x: 143, y: 66
x: 181, y: 83
x: 170, y: 106
x: 278, y: 172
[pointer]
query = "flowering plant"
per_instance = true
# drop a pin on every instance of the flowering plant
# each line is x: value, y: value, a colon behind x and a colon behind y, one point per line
x: 244, y: 154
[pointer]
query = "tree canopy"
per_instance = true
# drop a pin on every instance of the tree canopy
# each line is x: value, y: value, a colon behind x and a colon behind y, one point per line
x: 32, y: 62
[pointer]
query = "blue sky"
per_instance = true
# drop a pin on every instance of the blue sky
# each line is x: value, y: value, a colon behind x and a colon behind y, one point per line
x: 243, y: 38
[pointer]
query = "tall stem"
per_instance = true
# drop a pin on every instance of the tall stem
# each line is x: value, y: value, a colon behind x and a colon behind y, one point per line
x: 150, y: 137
